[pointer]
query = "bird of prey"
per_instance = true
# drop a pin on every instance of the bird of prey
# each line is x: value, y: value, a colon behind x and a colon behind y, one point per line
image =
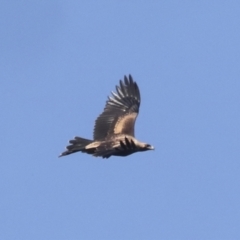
x: 114, y: 129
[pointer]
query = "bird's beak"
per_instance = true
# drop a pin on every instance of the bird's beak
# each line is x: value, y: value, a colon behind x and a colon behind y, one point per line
x: 151, y: 148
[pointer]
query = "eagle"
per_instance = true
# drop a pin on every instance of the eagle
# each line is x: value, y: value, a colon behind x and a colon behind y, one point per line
x: 113, y: 133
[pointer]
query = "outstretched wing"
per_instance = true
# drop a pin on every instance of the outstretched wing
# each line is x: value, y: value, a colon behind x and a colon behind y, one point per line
x: 120, y: 111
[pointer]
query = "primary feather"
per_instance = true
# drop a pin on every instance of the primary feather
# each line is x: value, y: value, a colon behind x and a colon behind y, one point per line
x: 120, y: 111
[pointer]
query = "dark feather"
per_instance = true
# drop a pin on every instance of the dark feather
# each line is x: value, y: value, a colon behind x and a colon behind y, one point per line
x: 120, y: 111
x: 77, y: 144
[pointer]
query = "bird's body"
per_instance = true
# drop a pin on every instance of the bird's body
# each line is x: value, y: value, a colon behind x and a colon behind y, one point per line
x: 114, y: 128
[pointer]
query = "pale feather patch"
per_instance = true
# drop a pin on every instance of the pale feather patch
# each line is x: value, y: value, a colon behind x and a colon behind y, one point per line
x: 93, y: 145
x: 125, y: 125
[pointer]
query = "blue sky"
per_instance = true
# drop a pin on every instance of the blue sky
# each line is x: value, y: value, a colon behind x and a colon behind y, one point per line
x: 59, y: 61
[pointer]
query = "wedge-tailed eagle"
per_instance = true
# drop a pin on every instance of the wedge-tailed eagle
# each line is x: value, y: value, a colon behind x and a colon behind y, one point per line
x: 114, y: 129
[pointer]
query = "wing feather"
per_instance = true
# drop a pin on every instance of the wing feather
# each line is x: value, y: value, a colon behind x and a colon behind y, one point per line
x: 120, y: 112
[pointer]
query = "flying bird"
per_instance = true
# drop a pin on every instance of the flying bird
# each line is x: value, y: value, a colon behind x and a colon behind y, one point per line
x: 114, y: 128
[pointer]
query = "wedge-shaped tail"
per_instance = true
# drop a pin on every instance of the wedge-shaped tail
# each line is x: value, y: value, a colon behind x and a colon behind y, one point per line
x: 77, y: 144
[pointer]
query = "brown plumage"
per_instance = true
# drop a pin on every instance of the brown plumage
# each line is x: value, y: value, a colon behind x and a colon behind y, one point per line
x: 114, y: 128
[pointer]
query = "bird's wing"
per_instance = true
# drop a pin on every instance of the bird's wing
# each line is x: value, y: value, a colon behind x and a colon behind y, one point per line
x: 120, y: 111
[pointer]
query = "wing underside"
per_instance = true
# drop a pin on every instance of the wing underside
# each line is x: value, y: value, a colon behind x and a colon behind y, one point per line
x: 120, y: 111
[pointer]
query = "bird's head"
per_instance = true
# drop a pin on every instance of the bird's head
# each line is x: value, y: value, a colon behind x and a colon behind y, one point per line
x: 148, y: 147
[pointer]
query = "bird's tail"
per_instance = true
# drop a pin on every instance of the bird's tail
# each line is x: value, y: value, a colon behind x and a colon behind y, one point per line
x: 77, y: 144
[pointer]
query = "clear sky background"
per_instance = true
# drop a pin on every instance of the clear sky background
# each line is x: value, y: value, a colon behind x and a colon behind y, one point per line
x: 59, y: 61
